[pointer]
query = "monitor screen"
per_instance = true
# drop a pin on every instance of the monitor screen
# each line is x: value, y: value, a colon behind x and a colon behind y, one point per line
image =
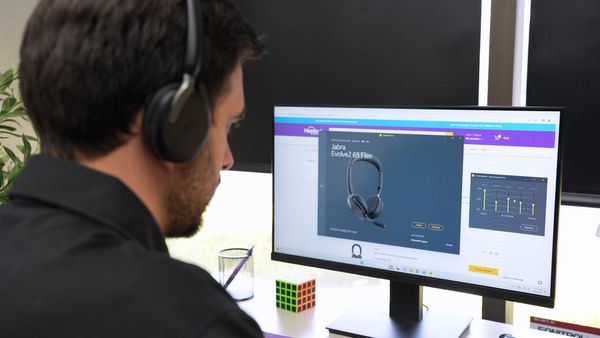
x: 459, y: 198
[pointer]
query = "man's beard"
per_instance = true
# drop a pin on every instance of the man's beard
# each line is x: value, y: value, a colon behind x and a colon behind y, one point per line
x: 189, y: 197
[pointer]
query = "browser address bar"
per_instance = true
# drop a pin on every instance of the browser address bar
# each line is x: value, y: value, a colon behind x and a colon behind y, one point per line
x: 387, y: 131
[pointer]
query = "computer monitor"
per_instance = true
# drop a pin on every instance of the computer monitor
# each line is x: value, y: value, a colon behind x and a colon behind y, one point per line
x: 461, y: 198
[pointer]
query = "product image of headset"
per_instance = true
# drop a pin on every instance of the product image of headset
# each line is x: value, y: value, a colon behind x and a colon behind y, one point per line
x: 359, y: 251
x: 373, y: 206
x: 177, y: 117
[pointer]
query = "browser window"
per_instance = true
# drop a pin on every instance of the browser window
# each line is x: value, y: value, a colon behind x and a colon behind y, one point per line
x: 465, y: 195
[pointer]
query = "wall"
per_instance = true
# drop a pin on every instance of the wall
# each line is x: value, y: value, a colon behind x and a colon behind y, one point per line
x: 13, y: 17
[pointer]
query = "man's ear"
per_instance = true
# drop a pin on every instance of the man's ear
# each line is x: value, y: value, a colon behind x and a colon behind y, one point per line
x: 138, y: 122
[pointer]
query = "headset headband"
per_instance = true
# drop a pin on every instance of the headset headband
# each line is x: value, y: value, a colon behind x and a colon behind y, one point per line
x: 374, y: 161
x: 193, y: 54
x: 193, y: 60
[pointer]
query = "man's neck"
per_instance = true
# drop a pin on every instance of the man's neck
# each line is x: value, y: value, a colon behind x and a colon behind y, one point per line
x: 135, y: 166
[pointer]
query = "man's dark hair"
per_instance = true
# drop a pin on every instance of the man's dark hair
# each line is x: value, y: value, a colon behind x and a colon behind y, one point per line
x: 88, y: 66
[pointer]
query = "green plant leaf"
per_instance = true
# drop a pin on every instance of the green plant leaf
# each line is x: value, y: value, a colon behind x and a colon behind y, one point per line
x: 31, y: 138
x: 9, y: 102
x: 6, y: 78
x: 27, y: 146
x: 4, y: 198
x: 8, y: 128
x: 6, y: 114
x: 28, y: 137
x: 9, y: 133
x: 11, y: 109
x: 9, y: 121
x: 14, y: 158
x: 12, y: 176
x: 17, y: 107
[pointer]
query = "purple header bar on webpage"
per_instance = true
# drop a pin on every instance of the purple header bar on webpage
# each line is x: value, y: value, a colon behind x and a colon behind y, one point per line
x: 510, y: 138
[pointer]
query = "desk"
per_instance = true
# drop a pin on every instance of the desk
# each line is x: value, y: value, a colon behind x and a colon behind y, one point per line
x: 331, y: 303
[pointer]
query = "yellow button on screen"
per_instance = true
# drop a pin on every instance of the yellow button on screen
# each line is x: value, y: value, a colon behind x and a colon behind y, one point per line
x: 481, y: 269
x: 436, y: 227
x: 449, y: 133
x: 419, y: 225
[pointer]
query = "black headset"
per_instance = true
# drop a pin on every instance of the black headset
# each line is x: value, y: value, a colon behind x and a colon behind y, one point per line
x: 360, y: 251
x: 373, y: 206
x: 177, y: 117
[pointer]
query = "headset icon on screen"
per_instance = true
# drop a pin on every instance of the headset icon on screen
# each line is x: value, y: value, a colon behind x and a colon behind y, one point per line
x: 359, y: 255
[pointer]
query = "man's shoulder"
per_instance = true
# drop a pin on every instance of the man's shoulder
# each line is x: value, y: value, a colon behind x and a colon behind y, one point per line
x: 178, y: 276
x: 140, y: 292
x: 172, y: 291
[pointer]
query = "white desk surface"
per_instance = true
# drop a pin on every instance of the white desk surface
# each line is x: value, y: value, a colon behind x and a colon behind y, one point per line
x: 331, y: 303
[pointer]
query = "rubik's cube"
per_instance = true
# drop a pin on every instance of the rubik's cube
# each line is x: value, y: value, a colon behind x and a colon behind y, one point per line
x: 295, y: 292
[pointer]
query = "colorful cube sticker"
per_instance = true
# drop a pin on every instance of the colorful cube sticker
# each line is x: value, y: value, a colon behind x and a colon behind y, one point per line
x: 295, y: 292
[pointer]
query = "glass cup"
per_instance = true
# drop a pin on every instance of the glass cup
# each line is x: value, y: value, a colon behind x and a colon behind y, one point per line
x: 241, y: 285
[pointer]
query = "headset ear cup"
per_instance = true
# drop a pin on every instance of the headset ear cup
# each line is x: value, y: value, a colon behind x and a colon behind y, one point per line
x: 185, y: 139
x: 156, y: 113
x: 358, y: 206
x: 375, y: 206
x: 182, y: 141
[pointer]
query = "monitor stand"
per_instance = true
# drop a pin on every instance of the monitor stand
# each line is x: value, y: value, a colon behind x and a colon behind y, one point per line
x: 404, y: 318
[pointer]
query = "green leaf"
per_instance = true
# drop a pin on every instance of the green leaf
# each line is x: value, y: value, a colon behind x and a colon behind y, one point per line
x: 4, y: 198
x: 5, y: 114
x: 4, y: 93
x: 21, y: 148
x: 8, y: 104
x: 17, y: 106
x: 9, y: 128
x: 6, y: 78
x: 31, y: 138
x: 27, y: 152
x: 12, y: 176
x: 9, y: 133
x: 14, y: 158
x: 9, y: 121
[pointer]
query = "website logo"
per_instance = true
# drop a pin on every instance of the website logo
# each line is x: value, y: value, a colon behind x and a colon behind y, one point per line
x: 312, y: 131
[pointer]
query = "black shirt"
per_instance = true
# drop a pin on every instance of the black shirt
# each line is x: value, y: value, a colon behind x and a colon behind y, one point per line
x: 81, y: 256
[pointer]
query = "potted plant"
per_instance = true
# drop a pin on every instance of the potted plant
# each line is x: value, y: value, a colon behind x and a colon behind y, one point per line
x: 11, y: 112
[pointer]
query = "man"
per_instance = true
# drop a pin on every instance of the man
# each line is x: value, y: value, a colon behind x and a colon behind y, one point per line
x: 82, y: 250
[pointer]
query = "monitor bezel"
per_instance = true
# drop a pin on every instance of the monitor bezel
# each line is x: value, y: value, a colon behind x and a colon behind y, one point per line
x: 484, y: 291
